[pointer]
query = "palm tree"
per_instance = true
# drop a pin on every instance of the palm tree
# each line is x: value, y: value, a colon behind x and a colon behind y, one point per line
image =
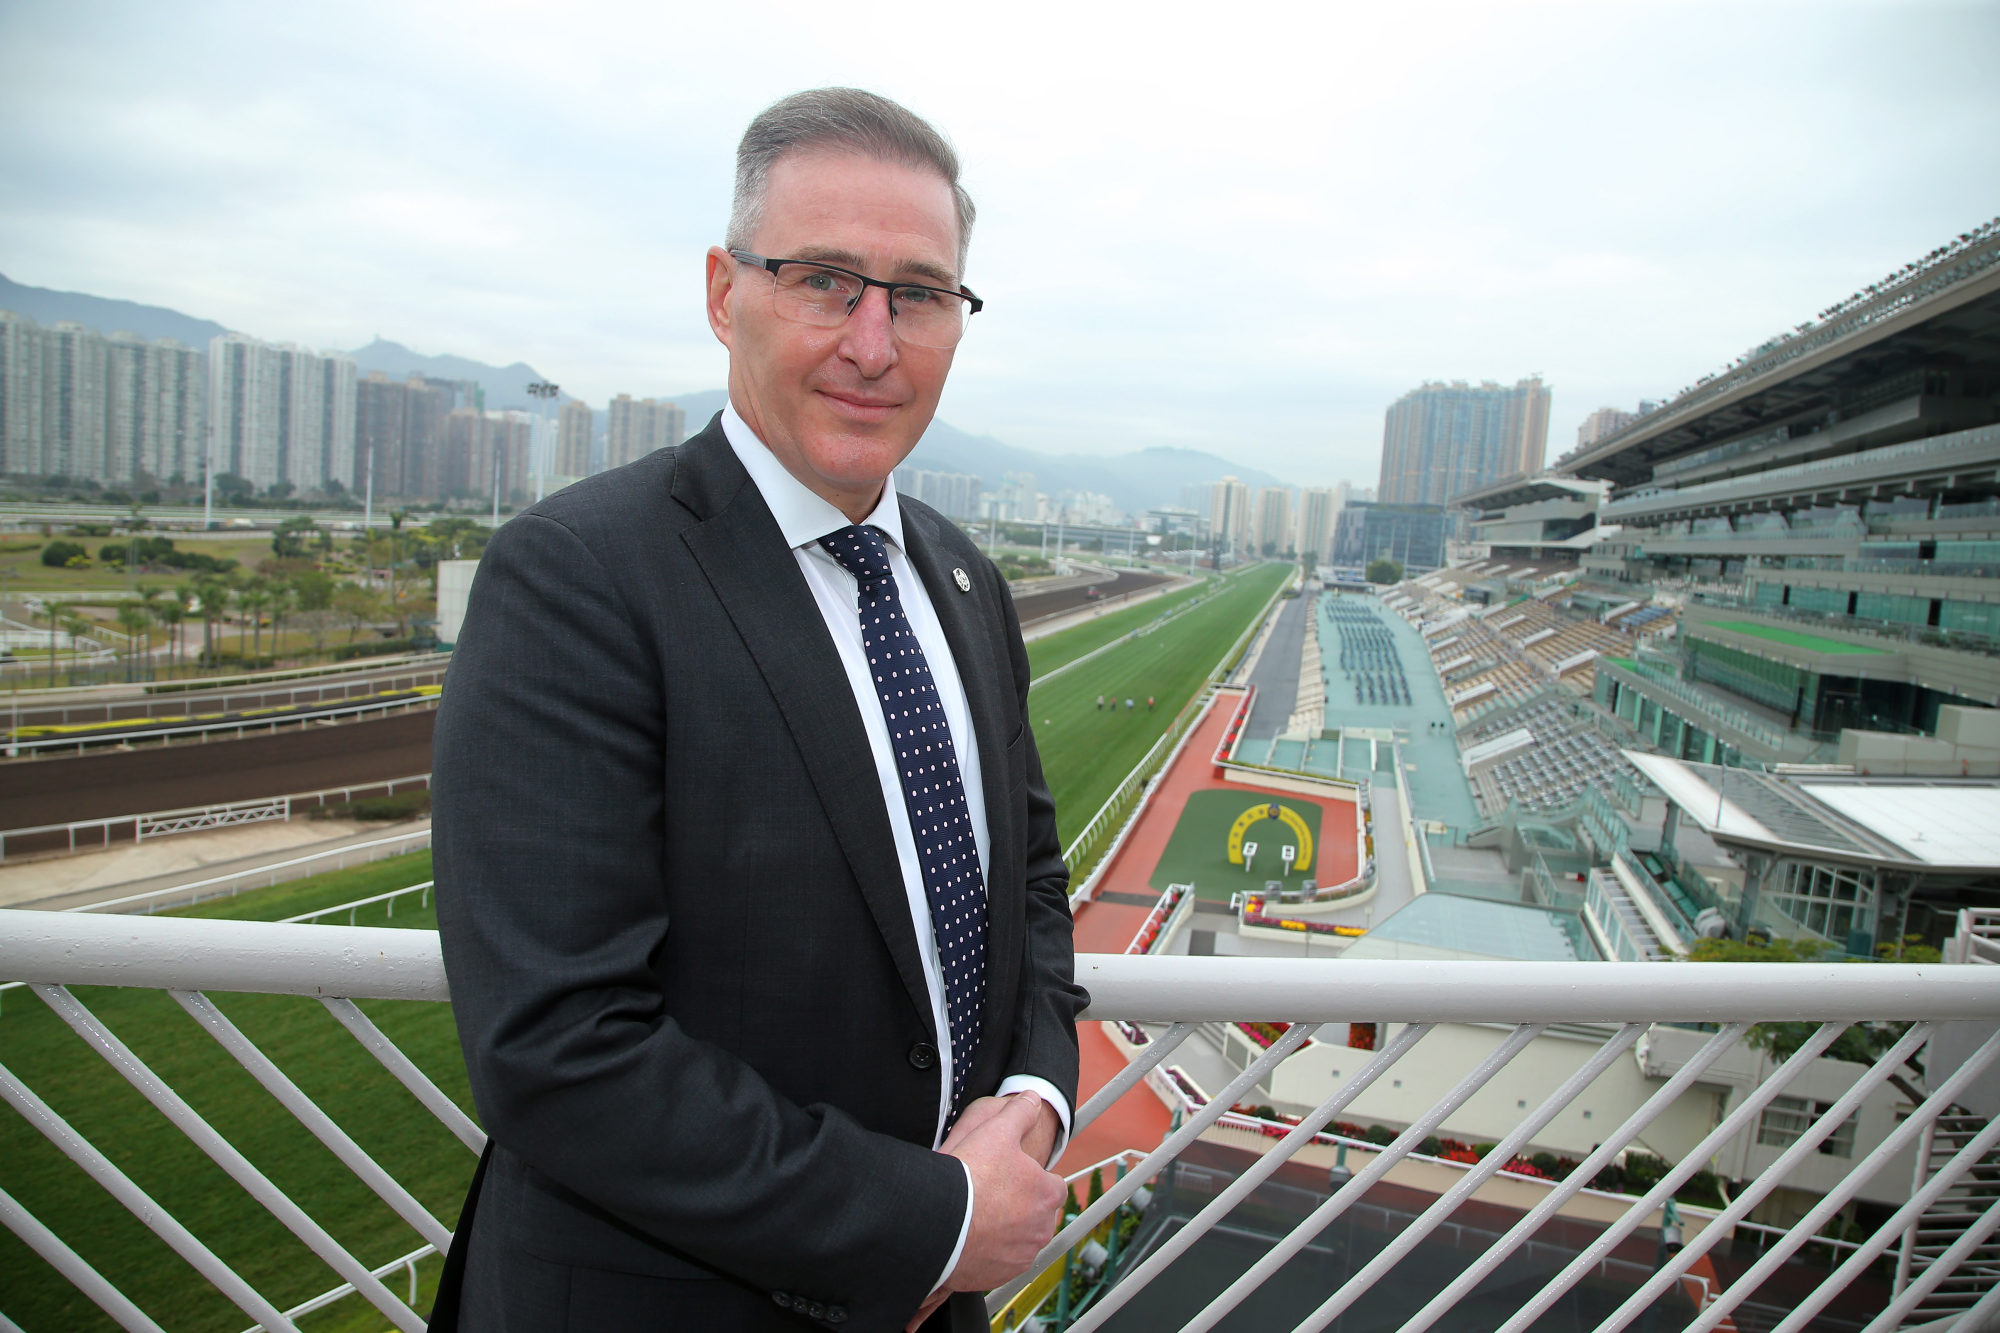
x: 133, y: 617
x: 76, y: 627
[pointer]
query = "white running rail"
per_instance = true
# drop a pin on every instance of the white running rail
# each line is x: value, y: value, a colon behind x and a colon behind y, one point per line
x: 1613, y: 1005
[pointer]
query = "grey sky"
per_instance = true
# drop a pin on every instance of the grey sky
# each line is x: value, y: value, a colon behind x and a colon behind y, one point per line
x: 1240, y: 228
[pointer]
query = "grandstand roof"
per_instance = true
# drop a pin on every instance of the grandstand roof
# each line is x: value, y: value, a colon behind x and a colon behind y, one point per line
x: 1941, y: 313
x: 1522, y: 488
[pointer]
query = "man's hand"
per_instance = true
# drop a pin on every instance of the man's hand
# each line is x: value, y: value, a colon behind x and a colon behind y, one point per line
x: 1015, y: 1203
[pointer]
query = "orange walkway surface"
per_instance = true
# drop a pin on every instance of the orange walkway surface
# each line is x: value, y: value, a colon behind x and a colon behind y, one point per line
x: 1138, y: 1119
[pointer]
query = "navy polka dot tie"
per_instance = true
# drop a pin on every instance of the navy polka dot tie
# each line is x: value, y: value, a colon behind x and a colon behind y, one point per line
x: 933, y: 791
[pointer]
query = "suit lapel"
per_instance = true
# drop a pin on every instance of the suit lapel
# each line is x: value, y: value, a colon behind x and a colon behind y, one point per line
x: 970, y: 622
x: 756, y: 577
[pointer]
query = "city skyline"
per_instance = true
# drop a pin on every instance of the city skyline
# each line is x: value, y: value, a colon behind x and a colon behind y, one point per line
x: 1437, y: 193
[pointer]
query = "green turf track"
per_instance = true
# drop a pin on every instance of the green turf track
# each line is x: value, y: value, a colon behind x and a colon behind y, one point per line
x: 1059, y: 649
x: 1087, y: 754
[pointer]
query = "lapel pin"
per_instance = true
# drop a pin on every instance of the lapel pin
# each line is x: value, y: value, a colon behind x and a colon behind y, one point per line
x: 964, y: 580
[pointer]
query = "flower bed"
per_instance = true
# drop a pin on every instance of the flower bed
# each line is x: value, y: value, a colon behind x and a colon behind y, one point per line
x: 1253, y: 915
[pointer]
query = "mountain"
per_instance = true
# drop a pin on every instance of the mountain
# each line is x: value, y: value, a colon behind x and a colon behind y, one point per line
x: 504, y: 386
x: 1138, y: 481
x: 95, y: 312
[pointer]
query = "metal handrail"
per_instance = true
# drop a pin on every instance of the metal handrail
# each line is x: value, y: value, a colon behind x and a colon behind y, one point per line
x: 377, y: 962
x: 340, y: 964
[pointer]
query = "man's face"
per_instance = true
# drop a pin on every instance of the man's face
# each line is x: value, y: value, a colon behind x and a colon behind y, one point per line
x: 839, y: 407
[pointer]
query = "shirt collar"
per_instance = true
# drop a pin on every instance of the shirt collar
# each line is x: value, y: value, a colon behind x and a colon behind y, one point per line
x: 802, y: 516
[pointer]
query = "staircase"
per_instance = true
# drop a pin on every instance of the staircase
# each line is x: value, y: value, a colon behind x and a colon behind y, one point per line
x: 1955, y: 1213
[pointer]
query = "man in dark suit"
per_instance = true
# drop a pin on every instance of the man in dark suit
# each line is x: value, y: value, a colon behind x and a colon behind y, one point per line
x: 751, y: 893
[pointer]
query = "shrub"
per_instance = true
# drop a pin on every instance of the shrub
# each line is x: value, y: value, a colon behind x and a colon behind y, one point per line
x: 58, y: 554
x: 393, y: 808
x: 1381, y: 1134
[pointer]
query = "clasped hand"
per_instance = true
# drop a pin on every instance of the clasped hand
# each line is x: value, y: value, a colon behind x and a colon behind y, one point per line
x: 1016, y: 1201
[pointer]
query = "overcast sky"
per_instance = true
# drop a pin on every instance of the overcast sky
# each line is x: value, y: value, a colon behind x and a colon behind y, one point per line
x: 1246, y: 228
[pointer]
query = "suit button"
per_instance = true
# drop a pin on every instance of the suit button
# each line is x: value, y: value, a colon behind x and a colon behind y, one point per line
x: 784, y: 1301
x: 836, y: 1315
x: 816, y: 1310
x: 923, y: 1055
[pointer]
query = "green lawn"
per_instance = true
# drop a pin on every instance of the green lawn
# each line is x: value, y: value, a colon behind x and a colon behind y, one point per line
x: 1087, y: 754
x: 1792, y: 638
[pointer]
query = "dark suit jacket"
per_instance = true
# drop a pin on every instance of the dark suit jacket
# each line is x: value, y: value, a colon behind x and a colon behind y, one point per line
x: 681, y: 956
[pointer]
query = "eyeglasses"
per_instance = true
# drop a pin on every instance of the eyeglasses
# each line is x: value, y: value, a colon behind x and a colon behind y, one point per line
x: 806, y: 291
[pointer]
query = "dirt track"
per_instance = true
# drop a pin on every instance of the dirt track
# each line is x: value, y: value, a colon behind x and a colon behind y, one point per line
x: 92, y: 786
x: 1039, y: 606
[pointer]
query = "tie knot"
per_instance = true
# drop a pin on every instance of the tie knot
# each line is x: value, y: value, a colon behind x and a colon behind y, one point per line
x: 860, y: 551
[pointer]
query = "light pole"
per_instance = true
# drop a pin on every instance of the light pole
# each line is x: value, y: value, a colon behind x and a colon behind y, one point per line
x: 546, y: 392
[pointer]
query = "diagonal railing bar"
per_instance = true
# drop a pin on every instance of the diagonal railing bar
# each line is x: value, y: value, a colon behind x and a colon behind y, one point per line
x: 225, y: 1155
x: 1774, y: 1175
x: 1497, y: 1157
x: 1169, y: 1150
x: 1736, y: 1122
x: 1220, y: 1207
x: 1983, y: 1317
x: 1947, y: 1264
x: 1158, y: 1049
x: 135, y: 1200
x: 318, y: 1122
x: 1349, y: 1194
x: 72, y: 1266
x: 406, y: 1072
x: 1581, y: 1176
x: 1899, y: 1138
x: 9, y: 1326
x: 406, y: 1262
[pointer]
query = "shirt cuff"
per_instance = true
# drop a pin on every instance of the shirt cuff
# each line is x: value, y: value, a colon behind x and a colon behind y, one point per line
x: 964, y: 1230
x: 1046, y: 1090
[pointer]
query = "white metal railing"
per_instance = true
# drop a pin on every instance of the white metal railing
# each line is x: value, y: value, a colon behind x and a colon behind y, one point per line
x: 1515, y: 1003
x: 202, y: 731
x: 102, y: 832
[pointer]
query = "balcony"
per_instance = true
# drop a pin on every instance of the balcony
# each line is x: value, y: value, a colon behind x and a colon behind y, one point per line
x: 1238, y: 1219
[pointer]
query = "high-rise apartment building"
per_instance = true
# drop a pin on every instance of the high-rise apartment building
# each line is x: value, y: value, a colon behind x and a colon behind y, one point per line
x: 1608, y: 421
x: 399, y: 433
x: 114, y: 408
x: 1440, y: 440
x: 636, y: 427
x: 1318, y: 511
x: 479, y: 443
x: 1229, y: 515
x: 574, y: 426
x: 280, y: 413
x: 953, y: 494
x: 1271, y: 532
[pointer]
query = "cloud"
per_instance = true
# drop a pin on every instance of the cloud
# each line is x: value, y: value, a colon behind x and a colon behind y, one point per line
x: 1244, y: 231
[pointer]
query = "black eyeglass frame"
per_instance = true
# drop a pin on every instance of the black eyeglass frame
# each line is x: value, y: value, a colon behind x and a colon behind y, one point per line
x: 972, y: 303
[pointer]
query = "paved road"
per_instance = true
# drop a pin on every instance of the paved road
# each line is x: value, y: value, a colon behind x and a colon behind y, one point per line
x: 93, y: 786
x: 1041, y: 605
x: 1276, y: 674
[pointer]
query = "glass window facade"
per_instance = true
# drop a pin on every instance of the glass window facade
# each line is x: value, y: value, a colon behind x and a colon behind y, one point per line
x: 1893, y: 606
x: 1970, y: 618
x: 1772, y: 684
x: 1832, y: 600
x: 1833, y: 902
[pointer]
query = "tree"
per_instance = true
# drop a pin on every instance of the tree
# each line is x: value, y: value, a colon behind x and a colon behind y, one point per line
x: 293, y: 537
x: 1385, y: 570
x: 58, y: 554
x: 357, y: 606
x: 1863, y: 1043
x: 133, y: 618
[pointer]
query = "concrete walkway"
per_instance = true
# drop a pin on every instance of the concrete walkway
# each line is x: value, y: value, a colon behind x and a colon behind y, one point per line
x: 1276, y: 673
x: 59, y: 883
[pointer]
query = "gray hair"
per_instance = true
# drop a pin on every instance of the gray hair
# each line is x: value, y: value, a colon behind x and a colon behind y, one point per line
x: 843, y: 120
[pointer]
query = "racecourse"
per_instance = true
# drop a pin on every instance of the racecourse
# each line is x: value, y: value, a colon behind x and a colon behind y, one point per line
x: 1086, y: 752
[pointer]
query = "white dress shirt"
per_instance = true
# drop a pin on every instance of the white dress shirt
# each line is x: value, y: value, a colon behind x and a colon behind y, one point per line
x: 804, y: 517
